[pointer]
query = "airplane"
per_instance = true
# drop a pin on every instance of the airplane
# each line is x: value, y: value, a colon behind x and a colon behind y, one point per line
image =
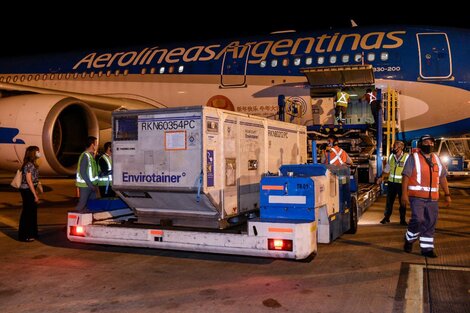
x: 55, y: 101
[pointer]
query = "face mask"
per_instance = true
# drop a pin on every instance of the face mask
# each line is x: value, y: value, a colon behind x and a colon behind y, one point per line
x: 38, y: 154
x: 427, y: 149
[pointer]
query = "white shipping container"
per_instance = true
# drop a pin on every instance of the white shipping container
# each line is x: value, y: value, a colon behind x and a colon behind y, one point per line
x: 198, y: 166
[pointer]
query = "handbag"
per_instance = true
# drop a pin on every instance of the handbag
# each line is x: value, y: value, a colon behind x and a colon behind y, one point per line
x: 16, y: 182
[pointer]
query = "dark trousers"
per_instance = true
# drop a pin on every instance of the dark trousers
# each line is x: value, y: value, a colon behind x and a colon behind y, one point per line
x: 109, y: 194
x: 393, y: 190
x: 342, y: 109
x: 423, y: 221
x: 28, y: 227
x: 374, y: 107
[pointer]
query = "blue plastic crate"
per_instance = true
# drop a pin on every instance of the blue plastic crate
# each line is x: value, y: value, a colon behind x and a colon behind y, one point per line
x: 106, y: 204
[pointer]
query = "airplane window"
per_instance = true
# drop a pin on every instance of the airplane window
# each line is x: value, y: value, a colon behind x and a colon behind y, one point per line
x: 2, y: 78
x: 297, y: 61
x: 285, y: 62
x: 52, y: 76
x: 108, y: 73
x: 92, y: 74
x: 67, y: 76
x: 384, y: 56
x: 15, y: 78
x: 273, y: 63
x: 37, y: 77
x: 126, y: 71
x: 22, y: 78
x: 180, y: 69
x: 44, y: 77
x: 263, y: 63
x: 333, y: 59
x: 100, y: 73
x: 152, y: 70
x: 345, y: 58
x: 171, y: 69
x: 59, y: 76
x: 162, y: 70
x: 321, y: 60
x: 143, y: 71
x: 370, y: 57
x: 30, y: 77
x: 83, y: 74
x: 358, y: 57
x: 116, y: 72
x: 8, y: 79
x: 308, y: 61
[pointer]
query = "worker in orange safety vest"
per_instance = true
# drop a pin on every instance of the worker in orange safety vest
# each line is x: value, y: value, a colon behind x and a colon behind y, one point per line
x: 333, y: 154
x: 422, y: 176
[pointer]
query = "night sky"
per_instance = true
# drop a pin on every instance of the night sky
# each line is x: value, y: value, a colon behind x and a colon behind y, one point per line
x: 95, y: 25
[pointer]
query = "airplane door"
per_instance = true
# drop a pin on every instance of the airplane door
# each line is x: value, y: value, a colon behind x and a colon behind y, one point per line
x: 435, y: 59
x: 234, y: 65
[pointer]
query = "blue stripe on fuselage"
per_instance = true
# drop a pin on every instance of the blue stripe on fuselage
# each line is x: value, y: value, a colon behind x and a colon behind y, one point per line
x: 205, y: 58
x: 445, y: 130
x: 7, y: 135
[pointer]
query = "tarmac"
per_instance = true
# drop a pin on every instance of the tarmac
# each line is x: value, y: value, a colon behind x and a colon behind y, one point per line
x: 365, y: 272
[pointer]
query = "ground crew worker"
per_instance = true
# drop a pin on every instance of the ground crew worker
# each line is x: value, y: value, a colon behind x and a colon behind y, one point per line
x: 87, y: 174
x: 341, y: 105
x: 333, y: 154
x: 105, y: 166
x: 394, y: 169
x: 422, y: 176
x: 371, y: 98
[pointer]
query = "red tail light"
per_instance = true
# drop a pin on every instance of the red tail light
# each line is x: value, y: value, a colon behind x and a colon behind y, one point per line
x: 77, y: 230
x: 280, y: 244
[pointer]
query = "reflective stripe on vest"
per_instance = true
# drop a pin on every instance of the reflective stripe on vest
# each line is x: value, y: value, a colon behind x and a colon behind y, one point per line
x: 421, y: 184
x: 92, y: 171
x: 339, y: 158
x: 107, y: 179
x: 342, y: 101
x: 371, y: 97
x: 396, y: 167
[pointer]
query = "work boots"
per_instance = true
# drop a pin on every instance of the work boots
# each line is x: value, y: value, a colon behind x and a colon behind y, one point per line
x: 429, y: 254
x: 385, y: 220
x: 408, y: 246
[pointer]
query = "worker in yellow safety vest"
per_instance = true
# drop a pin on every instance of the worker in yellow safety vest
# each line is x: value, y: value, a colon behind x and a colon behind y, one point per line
x: 341, y: 105
x: 394, y: 169
x: 87, y: 174
x: 105, y: 166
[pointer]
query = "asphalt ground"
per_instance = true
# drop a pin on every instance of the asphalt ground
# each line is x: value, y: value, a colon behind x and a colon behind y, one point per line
x: 365, y: 272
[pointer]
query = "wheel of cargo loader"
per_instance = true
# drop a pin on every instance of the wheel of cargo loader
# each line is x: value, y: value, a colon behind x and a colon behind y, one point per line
x: 353, y: 217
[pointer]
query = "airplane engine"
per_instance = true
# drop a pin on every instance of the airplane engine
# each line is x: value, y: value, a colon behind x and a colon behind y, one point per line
x: 58, y: 125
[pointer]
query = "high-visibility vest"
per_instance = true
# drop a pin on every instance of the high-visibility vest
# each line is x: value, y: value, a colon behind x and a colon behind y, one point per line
x: 372, y: 97
x: 342, y: 98
x: 396, y: 167
x: 424, y: 180
x: 337, y: 156
x: 105, y: 180
x: 92, y: 170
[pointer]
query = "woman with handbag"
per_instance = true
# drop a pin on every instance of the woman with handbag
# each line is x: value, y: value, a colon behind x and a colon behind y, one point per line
x: 28, y: 228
